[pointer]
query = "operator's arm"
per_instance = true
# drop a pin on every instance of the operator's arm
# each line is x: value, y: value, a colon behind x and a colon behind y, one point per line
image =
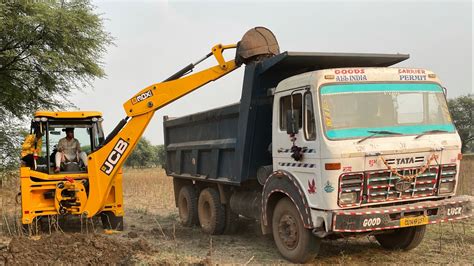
x: 78, y: 146
x: 61, y: 145
x: 38, y: 146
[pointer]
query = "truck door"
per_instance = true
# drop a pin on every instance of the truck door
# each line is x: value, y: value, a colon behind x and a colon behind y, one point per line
x: 305, y: 170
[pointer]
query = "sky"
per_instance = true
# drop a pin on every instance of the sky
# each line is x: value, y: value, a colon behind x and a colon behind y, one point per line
x: 154, y: 39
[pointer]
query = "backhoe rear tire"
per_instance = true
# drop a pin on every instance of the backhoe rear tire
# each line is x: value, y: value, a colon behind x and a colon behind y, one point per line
x: 402, y: 238
x: 294, y: 242
x: 111, y: 221
x: 187, y: 206
x: 211, y: 212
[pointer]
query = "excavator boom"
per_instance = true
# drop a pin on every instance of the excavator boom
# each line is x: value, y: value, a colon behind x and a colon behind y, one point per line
x: 104, y: 163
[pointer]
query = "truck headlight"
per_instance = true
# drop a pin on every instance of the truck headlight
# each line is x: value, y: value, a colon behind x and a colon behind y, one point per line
x: 349, y: 198
x: 446, y: 187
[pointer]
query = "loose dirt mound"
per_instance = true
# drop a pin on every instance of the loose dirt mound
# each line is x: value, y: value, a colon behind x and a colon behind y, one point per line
x: 72, y: 249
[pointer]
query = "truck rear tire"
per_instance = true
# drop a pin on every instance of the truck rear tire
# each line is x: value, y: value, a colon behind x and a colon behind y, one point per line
x: 295, y: 243
x: 402, y: 238
x: 187, y: 206
x: 211, y: 212
x: 231, y: 221
x: 111, y: 221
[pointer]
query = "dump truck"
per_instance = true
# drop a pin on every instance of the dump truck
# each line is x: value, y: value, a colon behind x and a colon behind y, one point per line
x: 322, y: 146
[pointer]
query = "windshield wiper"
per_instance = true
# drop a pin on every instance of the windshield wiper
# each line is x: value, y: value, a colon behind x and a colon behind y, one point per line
x: 378, y: 132
x: 431, y: 131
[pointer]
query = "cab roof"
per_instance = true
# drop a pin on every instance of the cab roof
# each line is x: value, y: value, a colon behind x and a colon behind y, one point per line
x: 68, y: 114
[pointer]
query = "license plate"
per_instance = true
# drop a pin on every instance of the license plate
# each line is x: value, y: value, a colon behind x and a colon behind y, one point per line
x: 413, y: 221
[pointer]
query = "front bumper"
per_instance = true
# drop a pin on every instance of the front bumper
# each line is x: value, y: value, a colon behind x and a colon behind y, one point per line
x: 384, y: 218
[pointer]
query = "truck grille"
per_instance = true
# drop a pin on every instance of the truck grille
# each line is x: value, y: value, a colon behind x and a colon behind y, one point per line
x: 379, y: 186
x: 447, y: 178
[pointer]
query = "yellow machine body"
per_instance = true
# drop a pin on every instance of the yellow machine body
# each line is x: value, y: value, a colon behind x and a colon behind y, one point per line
x: 43, y: 191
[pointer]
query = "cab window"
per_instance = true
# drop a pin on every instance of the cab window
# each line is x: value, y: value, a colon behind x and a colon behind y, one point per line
x: 286, y: 104
x: 309, y: 121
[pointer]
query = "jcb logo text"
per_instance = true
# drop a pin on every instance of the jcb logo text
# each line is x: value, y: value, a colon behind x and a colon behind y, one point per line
x: 114, y: 156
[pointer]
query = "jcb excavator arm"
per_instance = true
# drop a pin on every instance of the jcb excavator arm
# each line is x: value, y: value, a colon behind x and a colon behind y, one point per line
x: 104, y: 162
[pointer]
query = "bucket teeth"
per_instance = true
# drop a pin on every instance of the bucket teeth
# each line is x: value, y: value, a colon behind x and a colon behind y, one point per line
x: 256, y: 44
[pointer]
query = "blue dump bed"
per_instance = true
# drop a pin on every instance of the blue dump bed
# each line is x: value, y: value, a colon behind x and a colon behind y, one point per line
x: 228, y: 144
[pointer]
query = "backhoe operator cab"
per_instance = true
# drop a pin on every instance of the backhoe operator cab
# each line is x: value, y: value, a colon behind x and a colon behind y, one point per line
x: 86, y: 128
x: 45, y: 191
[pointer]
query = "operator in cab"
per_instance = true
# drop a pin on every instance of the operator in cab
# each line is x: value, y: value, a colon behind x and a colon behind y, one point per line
x: 69, y: 150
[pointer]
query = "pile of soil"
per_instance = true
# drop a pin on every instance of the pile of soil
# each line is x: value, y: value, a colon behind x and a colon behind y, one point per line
x: 72, y: 249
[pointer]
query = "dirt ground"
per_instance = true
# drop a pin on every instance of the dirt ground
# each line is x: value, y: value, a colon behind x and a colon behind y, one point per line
x: 153, y: 235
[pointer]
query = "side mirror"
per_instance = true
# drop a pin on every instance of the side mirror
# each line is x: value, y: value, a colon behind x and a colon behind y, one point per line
x: 292, y: 118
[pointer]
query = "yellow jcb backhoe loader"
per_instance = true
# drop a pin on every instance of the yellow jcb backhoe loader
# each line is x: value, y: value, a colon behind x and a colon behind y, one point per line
x: 55, y: 186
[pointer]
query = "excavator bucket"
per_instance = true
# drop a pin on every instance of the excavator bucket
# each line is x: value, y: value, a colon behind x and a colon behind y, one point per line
x: 256, y: 44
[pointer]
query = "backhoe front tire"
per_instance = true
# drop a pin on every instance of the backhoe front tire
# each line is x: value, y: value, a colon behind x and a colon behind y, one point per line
x: 111, y: 221
x: 294, y: 242
x: 187, y: 206
x: 211, y: 212
x: 402, y: 238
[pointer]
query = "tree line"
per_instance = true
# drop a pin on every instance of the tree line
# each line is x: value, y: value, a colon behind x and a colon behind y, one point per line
x: 462, y: 112
x: 146, y: 155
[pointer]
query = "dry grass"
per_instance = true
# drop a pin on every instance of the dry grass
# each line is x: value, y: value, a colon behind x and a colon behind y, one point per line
x: 152, y: 215
x: 10, y: 223
x: 466, y: 176
x: 148, y: 190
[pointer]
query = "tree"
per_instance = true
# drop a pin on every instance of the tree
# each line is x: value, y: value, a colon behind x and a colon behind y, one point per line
x: 142, y: 156
x: 160, y: 155
x: 47, y: 50
x: 146, y: 155
x: 10, y: 140
x: 462, y: 111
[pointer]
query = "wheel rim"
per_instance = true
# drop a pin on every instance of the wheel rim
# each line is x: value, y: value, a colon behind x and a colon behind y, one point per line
x: 288, y: 231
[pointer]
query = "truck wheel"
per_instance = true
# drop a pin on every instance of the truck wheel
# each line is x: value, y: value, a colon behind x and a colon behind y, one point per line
x: 295, y: 243
x: 111, y: 221
x: 211, y: 212
x: 403, y: 238
x: 187, y: 206
x: 231, y: 221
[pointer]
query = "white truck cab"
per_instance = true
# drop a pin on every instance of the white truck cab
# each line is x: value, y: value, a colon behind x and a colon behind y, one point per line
x: 368, y: 137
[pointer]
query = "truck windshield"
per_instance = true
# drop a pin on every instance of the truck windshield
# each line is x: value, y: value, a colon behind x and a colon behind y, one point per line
x: 353, y: 110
